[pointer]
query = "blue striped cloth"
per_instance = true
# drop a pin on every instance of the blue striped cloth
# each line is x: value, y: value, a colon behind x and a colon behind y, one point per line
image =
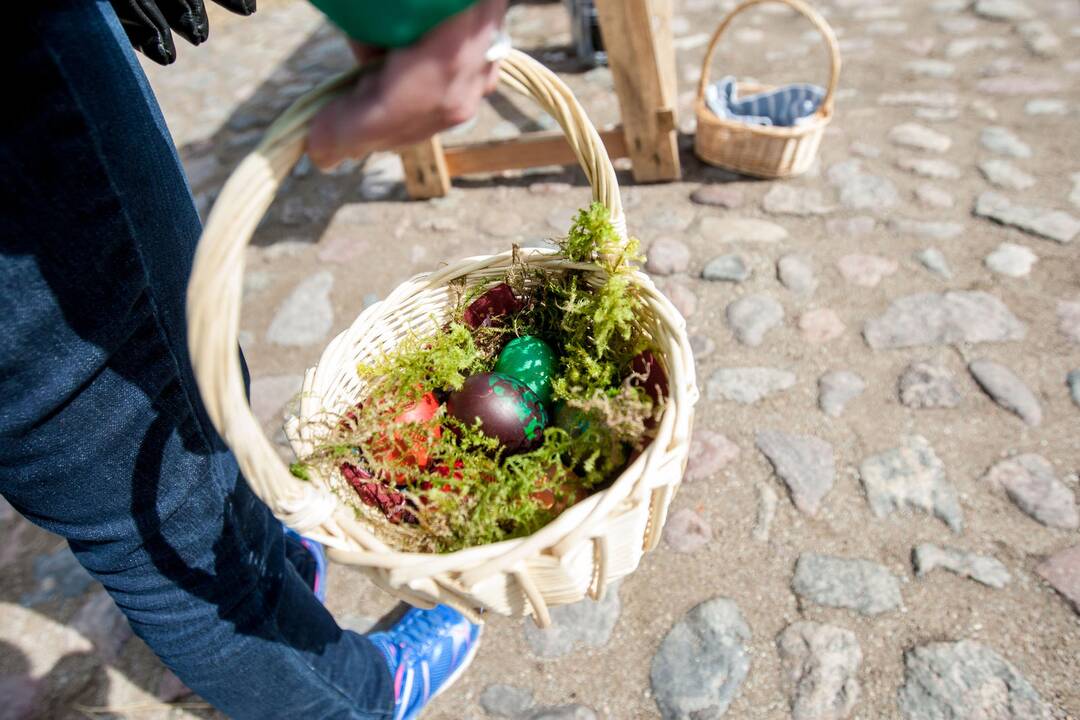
x: 784, y: 106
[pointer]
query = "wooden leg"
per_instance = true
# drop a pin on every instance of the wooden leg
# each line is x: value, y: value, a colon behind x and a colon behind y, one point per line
x: 637, y: 39
x: 425, y: 170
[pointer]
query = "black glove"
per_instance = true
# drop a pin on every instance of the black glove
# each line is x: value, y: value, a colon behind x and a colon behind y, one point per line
x: 147, y: 23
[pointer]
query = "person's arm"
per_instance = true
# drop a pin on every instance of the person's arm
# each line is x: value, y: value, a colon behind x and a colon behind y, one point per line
x: 434, y: 82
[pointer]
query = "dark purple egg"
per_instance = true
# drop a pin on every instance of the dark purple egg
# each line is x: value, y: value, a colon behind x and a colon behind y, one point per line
x: 507, y: 409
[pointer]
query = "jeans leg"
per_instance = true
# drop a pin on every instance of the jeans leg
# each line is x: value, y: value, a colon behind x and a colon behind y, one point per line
x: 103, y: 438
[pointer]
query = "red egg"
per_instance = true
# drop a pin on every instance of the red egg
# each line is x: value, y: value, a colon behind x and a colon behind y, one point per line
x: 492, y: 306
x: 409, y: 446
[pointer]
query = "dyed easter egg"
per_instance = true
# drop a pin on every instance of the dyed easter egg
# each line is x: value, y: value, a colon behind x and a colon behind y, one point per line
x: 409, y: 446
x: 506, y: 408
x: 530, y: 360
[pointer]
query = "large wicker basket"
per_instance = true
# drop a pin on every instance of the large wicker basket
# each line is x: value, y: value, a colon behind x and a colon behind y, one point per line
x: 761, y: 150
x: 581, y: 552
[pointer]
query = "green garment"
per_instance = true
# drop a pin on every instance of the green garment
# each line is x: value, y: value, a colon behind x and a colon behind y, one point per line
x: 390, y: 23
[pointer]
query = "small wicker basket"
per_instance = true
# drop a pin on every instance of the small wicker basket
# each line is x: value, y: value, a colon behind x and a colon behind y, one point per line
x: 760, y: 150
x: 578, y: 554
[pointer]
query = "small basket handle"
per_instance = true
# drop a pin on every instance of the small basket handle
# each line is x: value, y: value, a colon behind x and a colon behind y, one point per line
x: 215, y: 289
x: 813, y: 16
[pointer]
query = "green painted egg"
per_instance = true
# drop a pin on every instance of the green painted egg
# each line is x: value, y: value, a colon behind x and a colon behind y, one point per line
x: 530, y: 360
x: 506, y: 408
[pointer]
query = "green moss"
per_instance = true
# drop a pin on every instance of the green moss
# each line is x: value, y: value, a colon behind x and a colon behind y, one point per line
x: 469, y: 492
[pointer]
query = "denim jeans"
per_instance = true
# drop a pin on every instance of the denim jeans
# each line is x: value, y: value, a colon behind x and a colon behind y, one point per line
x: 103, y: 438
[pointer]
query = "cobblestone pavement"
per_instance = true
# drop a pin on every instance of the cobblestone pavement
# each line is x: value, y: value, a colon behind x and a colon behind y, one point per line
x: 880, y: 515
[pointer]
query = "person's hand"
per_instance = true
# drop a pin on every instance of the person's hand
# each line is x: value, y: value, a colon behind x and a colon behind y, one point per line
x: 417, y: 92
x: 148, y: 22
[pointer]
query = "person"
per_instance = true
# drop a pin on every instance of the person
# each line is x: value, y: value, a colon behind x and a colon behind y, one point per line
x: 103, y: 437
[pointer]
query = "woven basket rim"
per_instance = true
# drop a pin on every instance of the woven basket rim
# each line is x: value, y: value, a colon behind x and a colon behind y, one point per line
x: 711, y: 122
x: 582, y: 507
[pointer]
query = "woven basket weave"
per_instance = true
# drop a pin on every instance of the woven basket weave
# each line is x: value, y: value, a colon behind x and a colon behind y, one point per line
x: 761, y: 150
x: 578, y: 554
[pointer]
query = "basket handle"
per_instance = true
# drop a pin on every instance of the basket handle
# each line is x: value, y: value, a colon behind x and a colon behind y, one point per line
x: 813, y: 16
x: 215, y: 289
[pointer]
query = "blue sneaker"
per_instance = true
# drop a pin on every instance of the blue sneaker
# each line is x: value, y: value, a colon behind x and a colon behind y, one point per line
x: 309, y: 559
x: 426, y: 652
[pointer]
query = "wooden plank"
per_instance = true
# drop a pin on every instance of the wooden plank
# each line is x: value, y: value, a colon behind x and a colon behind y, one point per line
x: 426, y: 175
x: 640, y: 53
x: 526, y: 151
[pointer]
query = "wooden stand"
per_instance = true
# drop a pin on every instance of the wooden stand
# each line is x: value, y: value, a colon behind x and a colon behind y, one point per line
x: 638, y: 42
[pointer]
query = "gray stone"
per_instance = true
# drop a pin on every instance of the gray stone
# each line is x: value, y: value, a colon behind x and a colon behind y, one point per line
x: 752, y: 316
x: 937, y: 114
x: 910, y: 476
x: 1068, y: 314
x: 960, y: 47
x: 702, y: 346
x: 506, y: 701
x: 965, y: 680
x: 860, y: 585
x: 726, y: 268
x: 1003, y: 10
x: 855, y: 227
x: 681, y: 296
x: 1047, y: 106
x: 670, y: 219
x: 935, y: 168
x: 735, y: 230
x: 701, y: 663
x: 925, y: 385
x: 794, y: 200
x: 919, y: 99
x: 865, y: 150
x: 933, y: 196
x: 58, y: 575
x: 102, y: 623
x: 805, y: 463
x: 796, y: 274
x: 383, y: 178
x: 500, y: 224
x: 1074, y: 194
x: 1004, y: 174
x: 724, y: 196
x: 968, y: 316
x: 981, y: 568
x: 927, y: 229
x: 1019, y: 85
x: 767, y: 502
x: 561, y: 712
x: 1007, y: 390
x: 960, y: 25
x: 1053, y: 224
x: 819, y: 667
x: 1039, y: 38
x: 1062, y: 571
x: 584, y: 623
x: 820, y: 325
x: 709, y: 453
x: 747, y: 385
x: 934, y: 260
x: 306, y: 315
x: 1011, y: 260
x: 1029, y: 481
x: 866, y: 270
x: 931, y: 68
x: 836, y: 389
x: 1073, y: 381
x: 860, y: 190
x: 920, y: 137
x: 1004, y: 142
x: 667, y: 256
x: 686, y: 531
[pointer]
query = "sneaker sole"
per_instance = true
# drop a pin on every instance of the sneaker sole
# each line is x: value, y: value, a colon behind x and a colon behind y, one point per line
x: 465, y: 663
